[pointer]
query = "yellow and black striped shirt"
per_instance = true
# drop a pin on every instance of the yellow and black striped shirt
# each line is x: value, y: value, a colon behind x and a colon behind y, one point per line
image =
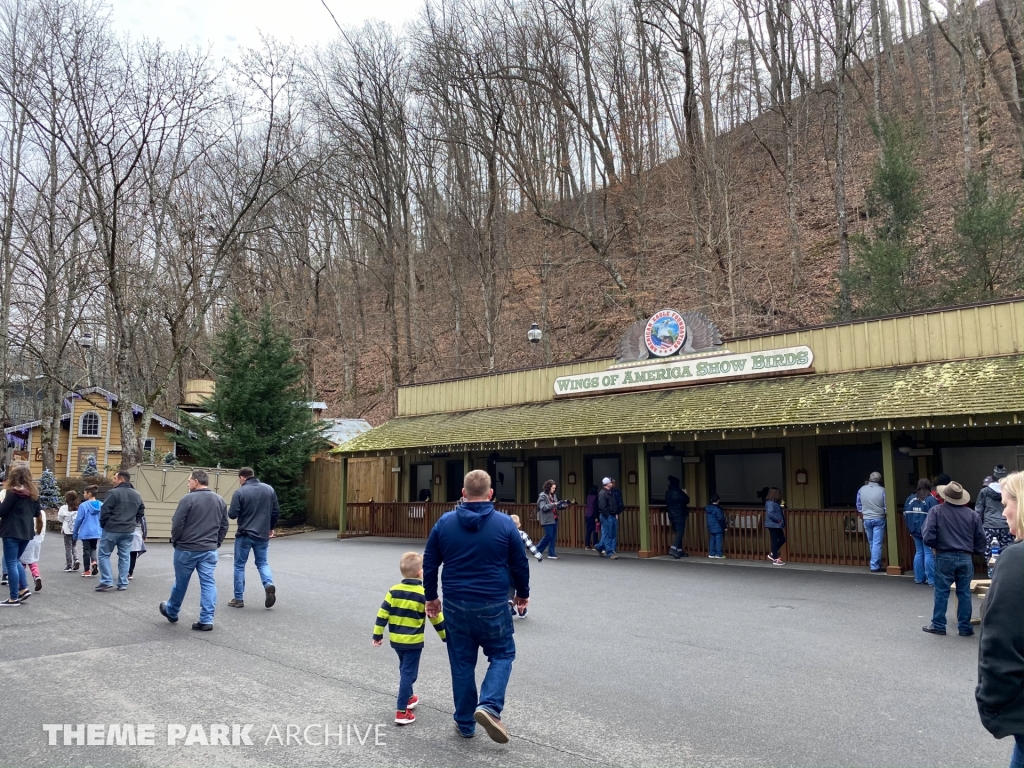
x: 404, y: 613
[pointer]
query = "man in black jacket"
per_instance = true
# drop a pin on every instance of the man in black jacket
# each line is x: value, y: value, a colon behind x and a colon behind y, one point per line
x: 954, y: 531
x: 255, y: 507
x: 677, y: 504
x: 608, y: 509
x: 1000, y: 691
x: 122, y: 506
x: 198, y: 528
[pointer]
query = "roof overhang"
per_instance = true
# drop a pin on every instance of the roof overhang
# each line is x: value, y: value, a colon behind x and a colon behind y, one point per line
x: 967, y: 393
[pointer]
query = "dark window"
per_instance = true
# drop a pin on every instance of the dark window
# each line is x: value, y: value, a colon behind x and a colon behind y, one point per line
x: 663, y: 465
x: 421, y: 477
x: 600, y: 466
x: 543, y: 469
x: 742, y: 477
x: 455, y: 474
x: 844, y: 469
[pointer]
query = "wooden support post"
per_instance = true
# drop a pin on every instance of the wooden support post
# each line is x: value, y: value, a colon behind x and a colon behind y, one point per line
x: 343, y: 492
x: 643, y: 499
x: 889, y: 478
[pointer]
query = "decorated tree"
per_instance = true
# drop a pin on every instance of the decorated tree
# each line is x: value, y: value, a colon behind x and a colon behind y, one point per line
x: 49, y: 493
x: 90, y: 469
x: 257, y: 415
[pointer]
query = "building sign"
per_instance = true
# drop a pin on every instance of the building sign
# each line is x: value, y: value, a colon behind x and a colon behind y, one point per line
x: 664, y: 333
x: 681, y: 371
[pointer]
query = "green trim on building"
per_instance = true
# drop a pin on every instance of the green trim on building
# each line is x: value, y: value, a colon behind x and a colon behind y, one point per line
x: 954, y: 389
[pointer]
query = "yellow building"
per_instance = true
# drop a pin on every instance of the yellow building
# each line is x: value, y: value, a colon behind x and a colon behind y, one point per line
x: 90, y: 426
x: 810, y: 411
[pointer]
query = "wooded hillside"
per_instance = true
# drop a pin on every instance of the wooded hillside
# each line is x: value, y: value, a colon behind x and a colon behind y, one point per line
x: 409, y: 201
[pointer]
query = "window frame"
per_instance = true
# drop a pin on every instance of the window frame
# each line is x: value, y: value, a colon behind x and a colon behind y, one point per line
x: 711, y: 460
x: 99, y: 424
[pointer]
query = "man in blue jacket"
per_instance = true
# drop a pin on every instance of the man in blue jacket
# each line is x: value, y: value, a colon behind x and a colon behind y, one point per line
x: 480, y: 550
x: 255, y: 507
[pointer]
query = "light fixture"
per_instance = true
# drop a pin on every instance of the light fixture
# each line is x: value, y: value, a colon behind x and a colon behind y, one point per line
x: 534, y: 334
x: 903, y: 443
x: 670, y: 451
x: 85, y: 340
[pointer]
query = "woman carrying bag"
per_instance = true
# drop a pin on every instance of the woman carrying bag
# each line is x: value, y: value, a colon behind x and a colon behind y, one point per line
x: 547, y: 514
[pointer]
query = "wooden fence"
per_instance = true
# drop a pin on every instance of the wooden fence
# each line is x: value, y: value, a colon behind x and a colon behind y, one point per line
x: 813, y: 536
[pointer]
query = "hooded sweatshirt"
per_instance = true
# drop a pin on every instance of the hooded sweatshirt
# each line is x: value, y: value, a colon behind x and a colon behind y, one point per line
x: 18, y: 512
x: 990, y: 506
x: 481, y: 552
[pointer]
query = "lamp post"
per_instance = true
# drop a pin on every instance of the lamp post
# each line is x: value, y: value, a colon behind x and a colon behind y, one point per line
x: 534, y: 334
x: 85, y: 342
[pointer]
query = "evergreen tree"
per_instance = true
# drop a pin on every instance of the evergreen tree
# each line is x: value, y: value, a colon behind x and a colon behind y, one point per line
x: 49, y: 491
x: 257, y: 416
x: 987, y: 259
x: 884, y: 274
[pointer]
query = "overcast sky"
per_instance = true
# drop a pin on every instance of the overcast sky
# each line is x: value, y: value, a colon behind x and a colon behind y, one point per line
x: 227, y: 24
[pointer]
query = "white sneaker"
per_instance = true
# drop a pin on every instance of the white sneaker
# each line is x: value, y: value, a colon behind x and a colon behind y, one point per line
x: 778, y: 562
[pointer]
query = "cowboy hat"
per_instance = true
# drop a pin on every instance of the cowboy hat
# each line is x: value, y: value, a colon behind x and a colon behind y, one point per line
x: 954, y: 493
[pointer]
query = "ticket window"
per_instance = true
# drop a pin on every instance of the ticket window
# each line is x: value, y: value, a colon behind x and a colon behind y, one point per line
x: 662, y: 466
x: 600, y: 467
x: 543, y: 470
x: 421, y: 478
x: 505, y: 481
x: 743, y: 477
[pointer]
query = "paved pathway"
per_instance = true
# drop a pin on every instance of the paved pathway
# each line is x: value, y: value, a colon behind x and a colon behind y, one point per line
x: 620, y: 663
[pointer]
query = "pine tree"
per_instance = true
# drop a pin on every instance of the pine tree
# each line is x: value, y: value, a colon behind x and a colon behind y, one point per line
x: 49, y: 492
x: 257, y: 416
x: 884, y: 275
x: 987, y: 258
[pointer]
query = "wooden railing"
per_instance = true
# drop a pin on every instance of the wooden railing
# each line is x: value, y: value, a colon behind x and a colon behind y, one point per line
x: 813, y: 536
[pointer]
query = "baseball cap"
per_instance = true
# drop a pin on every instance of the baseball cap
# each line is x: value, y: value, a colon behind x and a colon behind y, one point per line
x: 606, y: 481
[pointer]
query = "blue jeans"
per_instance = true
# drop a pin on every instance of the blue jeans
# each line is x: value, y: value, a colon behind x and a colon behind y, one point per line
x: 874, y: 528
x: 1017, y: 759
x: 202, y: 563
x: 953, y: 567
x: 259, y: 549
x: 408, y: 671
x: 609, y: 534
x: 924, y: 562
x: 17, y: 579
x: 715, y: 544
x: 472, y: 627
x: 108, y: 543
x: 549, y: 539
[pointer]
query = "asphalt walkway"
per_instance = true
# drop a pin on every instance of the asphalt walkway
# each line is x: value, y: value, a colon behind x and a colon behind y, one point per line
x: 622, y: 663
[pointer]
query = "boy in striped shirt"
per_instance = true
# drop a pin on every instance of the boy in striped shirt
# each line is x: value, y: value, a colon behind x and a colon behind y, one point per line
x: 404, y: 613
x: 532, y: 549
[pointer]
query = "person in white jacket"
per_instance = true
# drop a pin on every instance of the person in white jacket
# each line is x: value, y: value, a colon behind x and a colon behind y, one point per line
x: 66, y: 517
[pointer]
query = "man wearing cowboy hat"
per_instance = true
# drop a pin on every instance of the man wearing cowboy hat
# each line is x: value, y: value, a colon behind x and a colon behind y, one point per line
x: 954, y: 531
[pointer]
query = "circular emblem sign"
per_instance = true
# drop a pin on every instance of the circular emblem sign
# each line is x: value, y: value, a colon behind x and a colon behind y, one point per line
x: 665, y: 333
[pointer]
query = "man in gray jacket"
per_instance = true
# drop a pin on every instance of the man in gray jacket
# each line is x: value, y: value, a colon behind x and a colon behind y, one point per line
x: 198, y: 528
x: 122, y: 506
x: 871, y: 505
x: 255, y: 507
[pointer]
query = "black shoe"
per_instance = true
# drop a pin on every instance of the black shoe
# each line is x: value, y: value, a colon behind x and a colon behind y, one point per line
x: 76, y: 566
x: 933, y: 630
x: 104, y: 588
x: 24, y: 595
x: 683, y: 553
x: 39, y: 583
x: 200, y: 627
x: 271, y: 596
x: 968, y: 633
x: 163, y: 612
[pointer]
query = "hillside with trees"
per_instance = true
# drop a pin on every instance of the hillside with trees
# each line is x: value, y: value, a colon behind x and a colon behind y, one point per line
x: 408, y: 201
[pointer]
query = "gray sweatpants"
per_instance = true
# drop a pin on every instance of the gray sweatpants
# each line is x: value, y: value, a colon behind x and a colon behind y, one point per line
x: 69, y: 550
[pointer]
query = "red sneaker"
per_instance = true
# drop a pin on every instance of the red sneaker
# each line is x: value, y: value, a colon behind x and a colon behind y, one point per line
x: 405, y: 718
x: 413, y: 701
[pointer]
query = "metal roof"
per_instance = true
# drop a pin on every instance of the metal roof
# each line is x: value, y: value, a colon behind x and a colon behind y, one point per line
x: 960, y: 388
x: 343, y: 430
